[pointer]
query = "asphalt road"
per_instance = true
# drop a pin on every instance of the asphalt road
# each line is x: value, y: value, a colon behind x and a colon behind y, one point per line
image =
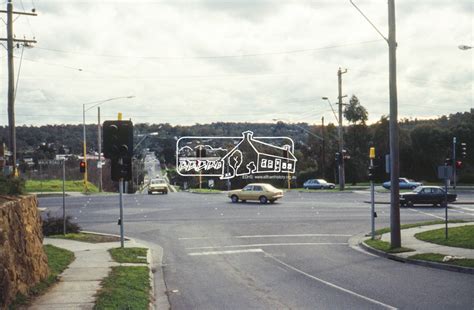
x: 293, y: 254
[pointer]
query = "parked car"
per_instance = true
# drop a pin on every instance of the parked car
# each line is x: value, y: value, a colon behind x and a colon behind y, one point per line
x: 426, y: 195
x: 256, y: 191
x: 157, y: 186
x: 318, y: 184
x: 404, y: 183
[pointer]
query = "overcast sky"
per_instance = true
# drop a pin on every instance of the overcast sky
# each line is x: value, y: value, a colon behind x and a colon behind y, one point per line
x: 204, y: 61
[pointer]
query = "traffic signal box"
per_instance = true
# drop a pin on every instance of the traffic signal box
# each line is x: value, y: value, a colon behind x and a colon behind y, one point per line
x: 118, y: 147
x: 82, y: 166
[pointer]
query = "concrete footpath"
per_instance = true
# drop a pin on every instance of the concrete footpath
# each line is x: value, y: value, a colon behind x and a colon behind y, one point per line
x: 80, y: 282
x: 409, y: 241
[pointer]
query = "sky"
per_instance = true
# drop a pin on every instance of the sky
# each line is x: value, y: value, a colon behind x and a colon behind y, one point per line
x: 203, y: 61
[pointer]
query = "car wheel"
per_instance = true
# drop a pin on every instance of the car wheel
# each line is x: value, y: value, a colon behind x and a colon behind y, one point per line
x: 332, y: 187
x: 165, y: 192
x: 443, y: 204
x: 410, y: 204
x: 149, y: 193
x: 413, y: 187
x: 272, y: 201
x: 263, y: 199
x: 244, y: 200
x: 234, y: 198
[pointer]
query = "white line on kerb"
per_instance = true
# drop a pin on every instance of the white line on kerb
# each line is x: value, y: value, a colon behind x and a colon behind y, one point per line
x: 329, y: 283
x: 266, y: 244
x: 429, y: 214
x: 266, y: 236
x: 226, y: 252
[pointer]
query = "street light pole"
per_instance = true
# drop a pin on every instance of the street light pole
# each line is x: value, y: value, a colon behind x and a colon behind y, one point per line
x: 340, y: 133
x: 84, y: 110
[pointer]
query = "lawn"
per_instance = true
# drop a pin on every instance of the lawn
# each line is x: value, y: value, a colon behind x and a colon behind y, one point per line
x: 438, y: 258
x: 461, y: 237
x: 126, y: 287
x: 58, y: 260
x: 129, y: 255
x: 385, y: 246
x: 87, y: 237
x: 205, y: 191
x: 57, y: 186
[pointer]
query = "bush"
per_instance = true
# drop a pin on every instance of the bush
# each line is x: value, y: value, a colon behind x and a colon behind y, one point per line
x: 53, y: 225
x: 11, y: 186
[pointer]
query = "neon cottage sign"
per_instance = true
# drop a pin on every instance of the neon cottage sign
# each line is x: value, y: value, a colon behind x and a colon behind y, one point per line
x: 230, y: 157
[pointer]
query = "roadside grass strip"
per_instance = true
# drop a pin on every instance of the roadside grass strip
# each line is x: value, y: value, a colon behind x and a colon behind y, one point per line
x: 461, y: 237
x: 439, y: 258
x: 129, y: 255
x: 58, y: 260
x: 205, y: 191
x: 57, y: 186
x: 126, y: 287
x: 86, y: 237
x: 412, y: 225
x: 385, y: 246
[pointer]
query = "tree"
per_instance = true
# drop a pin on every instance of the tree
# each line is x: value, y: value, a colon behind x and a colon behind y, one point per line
x: 355, y: 112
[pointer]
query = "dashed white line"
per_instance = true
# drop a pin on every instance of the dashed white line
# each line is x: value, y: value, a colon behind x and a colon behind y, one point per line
x: 429, y: 214
x: 330, y: 284
x: 226, y: 252
x: 266, y: 245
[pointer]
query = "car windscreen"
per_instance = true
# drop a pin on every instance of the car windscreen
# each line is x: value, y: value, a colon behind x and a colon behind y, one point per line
x: 321, y: 181
x: 157, y: 181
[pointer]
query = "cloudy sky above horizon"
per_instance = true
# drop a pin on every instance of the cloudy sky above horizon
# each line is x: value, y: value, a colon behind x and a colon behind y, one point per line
x: 202, y: 61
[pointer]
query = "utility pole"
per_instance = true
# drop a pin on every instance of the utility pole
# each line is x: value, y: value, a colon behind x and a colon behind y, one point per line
x: 99, y: 143
x: 323, y: 157
x: 11, y: 76
x: 340, y: 133
x: 395, y: 235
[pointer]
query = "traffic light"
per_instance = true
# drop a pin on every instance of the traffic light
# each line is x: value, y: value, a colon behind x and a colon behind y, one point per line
x: 448, y: 161
x: 121, y: 169
x: 118, y: 139
x: 463, y: 150
x: 458, y: 164
x: 82, y: 166
x: 371, y: 173
x: 338, y: 158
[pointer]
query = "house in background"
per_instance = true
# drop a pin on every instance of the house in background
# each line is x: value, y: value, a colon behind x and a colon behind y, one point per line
x: 253, y: 156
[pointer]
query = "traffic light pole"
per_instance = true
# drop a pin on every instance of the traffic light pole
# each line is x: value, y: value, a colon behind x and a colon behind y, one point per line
x: 121, y: 211
x: 340, y: 133
x: 454, y: 162
x: 372, y: 203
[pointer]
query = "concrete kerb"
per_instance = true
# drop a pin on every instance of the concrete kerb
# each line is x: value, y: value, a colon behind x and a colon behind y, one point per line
x: 357, y: 243
x: 129, y: 243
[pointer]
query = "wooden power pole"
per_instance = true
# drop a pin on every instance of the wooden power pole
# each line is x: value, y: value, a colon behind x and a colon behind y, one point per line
x: 11, y: 76
x: 340, y: 132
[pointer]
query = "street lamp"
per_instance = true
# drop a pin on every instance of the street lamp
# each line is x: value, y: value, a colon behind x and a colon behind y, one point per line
x: 84, y: 110
x: 332, y: 108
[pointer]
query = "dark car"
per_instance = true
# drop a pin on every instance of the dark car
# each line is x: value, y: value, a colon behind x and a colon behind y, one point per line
x: 426, y: 195
x: 318, y: 184
x: 404, y: 183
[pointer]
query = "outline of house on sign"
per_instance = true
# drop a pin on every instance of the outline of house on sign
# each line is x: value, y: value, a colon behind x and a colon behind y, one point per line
x: 264, y: 158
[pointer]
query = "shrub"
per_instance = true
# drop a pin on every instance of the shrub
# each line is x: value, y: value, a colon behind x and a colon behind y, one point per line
x: 53, y: 225
x: 12, y: 185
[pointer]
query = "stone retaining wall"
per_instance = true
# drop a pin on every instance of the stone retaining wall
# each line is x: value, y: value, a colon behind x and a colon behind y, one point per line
x: 23, y: 262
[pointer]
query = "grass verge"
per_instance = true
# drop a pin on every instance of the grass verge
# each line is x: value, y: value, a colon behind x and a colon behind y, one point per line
x: 205, y: 191
x: 57, y: 186
x: 87, y: 237
x: 58, y: 260
x: 126, y: 287
x: 129, y: 255
x: 460, y: 237
x: 406, y: 226
x: 385, y: 246
x: 438, y: 258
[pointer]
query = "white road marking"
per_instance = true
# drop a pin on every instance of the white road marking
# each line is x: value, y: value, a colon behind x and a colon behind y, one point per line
x: 226, y: 252
x: 266, y: 244
x: 429, y: 214
x: 330, y: 284
x: 462, y: 208
x: 459, y: 211
x: 266, y: 236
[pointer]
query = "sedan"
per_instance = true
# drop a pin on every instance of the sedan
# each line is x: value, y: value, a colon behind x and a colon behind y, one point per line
x: 404, y: 183
x: 423, y: 195
x: 318, y: 184
x: 256, y: 191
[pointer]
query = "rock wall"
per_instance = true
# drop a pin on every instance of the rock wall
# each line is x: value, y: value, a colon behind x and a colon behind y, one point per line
x: 23, y: 262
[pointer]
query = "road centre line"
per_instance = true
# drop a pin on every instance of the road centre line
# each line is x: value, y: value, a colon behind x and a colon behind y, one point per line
x: 266, y: 244
x: 226, y: 252
x: 329, y: 283
x: 429, y: 214
x: 266, y: 236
